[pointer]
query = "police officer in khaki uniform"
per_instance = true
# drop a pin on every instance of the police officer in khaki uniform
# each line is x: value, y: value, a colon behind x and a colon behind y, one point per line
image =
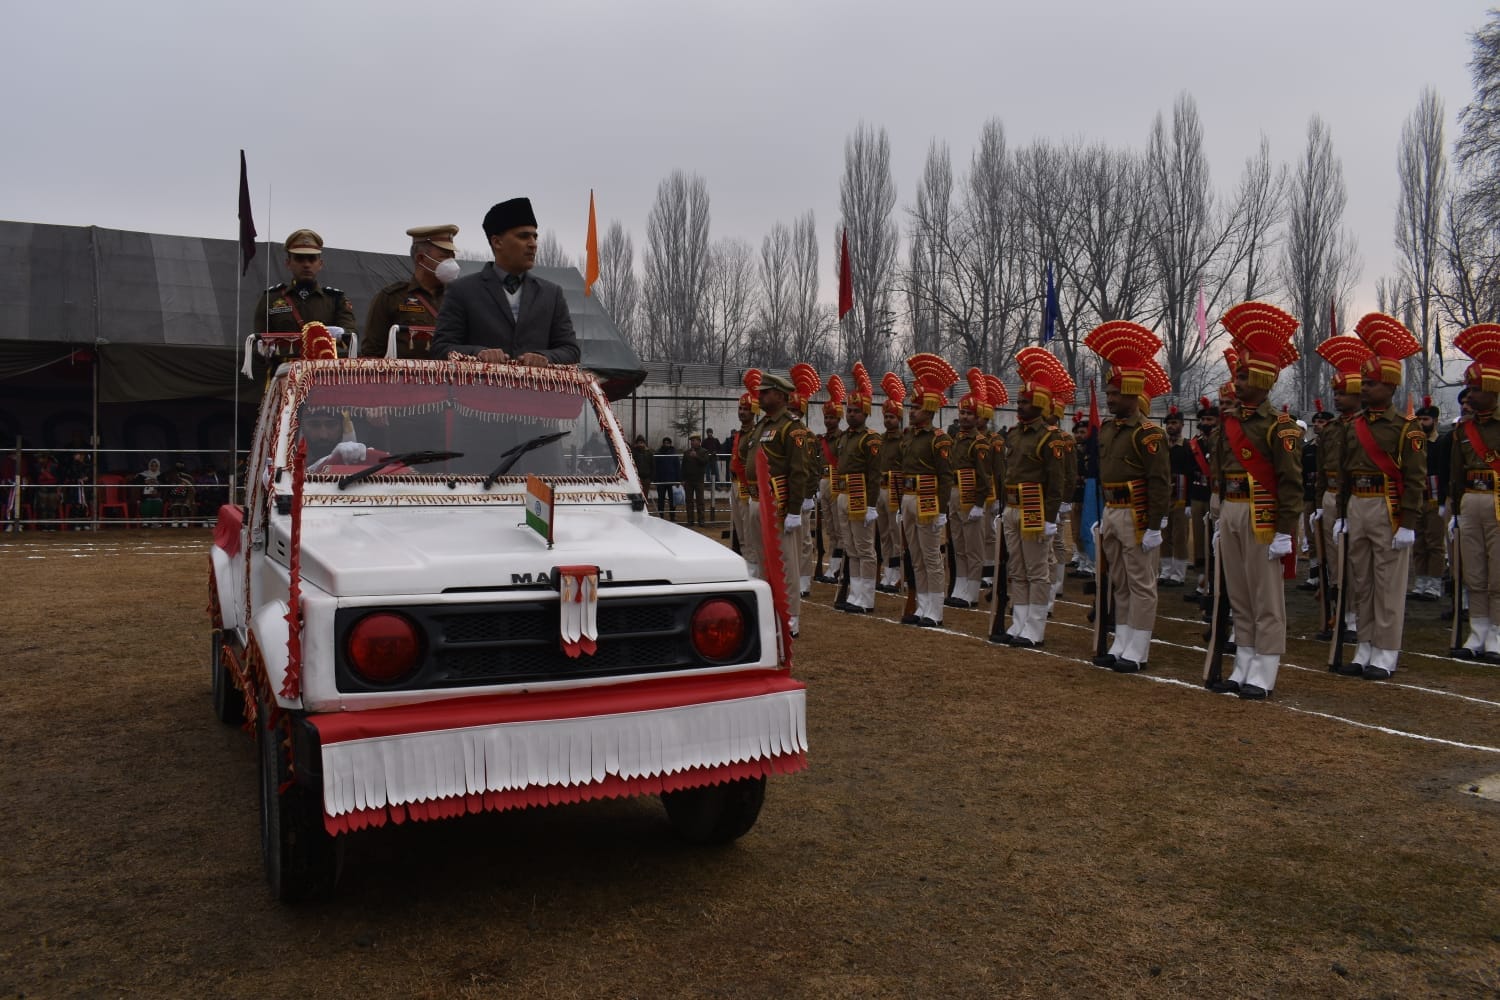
x: 1347, y: 356
x: 1257, y: 463
x: 286, y: 308
x: 742, y: 507
x: 805, y: 379
x: 857, y: 486
x: 1059, y: 553
x: 835, y: 525
x: 1474, y: 491
x: 888, y: 525
x: 926, y: 479
x: 412, y: 303
x: 1429, y: 556
x: 971, y: 491
x: 784, y: 442
x: 1035, y: 474
x: 1135, y: 471
x: 1384, y: 473
x: 1174, y: 549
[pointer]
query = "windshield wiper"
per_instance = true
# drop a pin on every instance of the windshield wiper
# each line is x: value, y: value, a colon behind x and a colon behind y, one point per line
x: 511, y: 456
x: 405, y: 458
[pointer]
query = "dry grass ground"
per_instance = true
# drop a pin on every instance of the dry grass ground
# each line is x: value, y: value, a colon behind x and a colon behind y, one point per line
x: 976, y: 821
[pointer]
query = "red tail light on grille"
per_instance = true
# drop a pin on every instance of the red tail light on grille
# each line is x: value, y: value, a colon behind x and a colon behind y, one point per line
x: 718, y: 629
x: 384, y: 647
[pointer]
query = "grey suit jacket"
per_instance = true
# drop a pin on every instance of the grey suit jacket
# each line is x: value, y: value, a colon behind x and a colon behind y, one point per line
x: 476, y: 315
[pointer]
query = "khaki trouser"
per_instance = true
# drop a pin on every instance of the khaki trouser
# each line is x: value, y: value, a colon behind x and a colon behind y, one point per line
x: 787, y: 540
x: 1028, y: 563
x: 968, y: 542
x: 860, y: 549
x: 1428, y: 554
x: 1197, y: 510
x: 926, y: 544
x: 741, y: 512
x: 1132, y: 570
x: 1479, y: 543
x: 806, y: 549
x: 1062, y: 544
x: 1174, y: 538
x: 890, y: 533
x: 1257, y: 596
x: 1376, y: 573
x: 835, y: 525
x: 987, y: 534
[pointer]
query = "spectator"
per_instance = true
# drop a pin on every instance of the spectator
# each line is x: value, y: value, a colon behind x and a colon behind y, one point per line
x: 644, y: 462
x: 181, y: 496
x: 76, y: 475
x: 668, y: 475
x: 713, y: 446
x: 46, y: 497
x: 149, y: 483
x: 696, y: 462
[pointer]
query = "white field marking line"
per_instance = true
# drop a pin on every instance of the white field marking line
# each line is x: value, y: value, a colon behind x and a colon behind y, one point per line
x: 1198, y: 687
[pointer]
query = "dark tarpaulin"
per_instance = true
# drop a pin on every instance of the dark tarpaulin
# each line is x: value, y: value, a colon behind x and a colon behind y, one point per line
x: 161, y: 310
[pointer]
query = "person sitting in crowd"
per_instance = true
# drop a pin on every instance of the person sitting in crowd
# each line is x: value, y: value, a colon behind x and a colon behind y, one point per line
x: 149, y: 488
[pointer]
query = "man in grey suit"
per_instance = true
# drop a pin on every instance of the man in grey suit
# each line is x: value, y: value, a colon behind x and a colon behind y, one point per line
x: 503, y: 313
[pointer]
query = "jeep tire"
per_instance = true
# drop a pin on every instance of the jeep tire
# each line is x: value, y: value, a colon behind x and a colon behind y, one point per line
x: 228, y: 699
x: 302, y: 860
x: 715, y: 814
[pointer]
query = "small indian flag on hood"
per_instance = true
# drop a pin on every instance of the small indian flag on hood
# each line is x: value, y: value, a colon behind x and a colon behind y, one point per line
x: 539, y: 507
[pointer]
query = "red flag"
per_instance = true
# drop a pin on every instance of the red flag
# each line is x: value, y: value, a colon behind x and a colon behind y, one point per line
x: 591, y: 251
x: 247, y: 224
x: 1093, y: 410
x: 1333, y: 320
x: 846, y: 279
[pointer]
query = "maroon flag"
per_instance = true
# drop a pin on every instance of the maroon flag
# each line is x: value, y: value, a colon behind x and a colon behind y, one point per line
x: 1333, y: 320
x: 846, y: 279
x: 247, y: 223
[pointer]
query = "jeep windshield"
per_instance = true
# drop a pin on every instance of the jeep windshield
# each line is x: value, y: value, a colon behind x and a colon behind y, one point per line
x: 354, y: 421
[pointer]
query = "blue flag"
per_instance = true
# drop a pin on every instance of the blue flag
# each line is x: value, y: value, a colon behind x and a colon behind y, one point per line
x: 1053, y: 313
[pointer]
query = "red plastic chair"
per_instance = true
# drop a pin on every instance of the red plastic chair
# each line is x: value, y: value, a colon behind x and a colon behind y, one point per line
x: 112, y: 496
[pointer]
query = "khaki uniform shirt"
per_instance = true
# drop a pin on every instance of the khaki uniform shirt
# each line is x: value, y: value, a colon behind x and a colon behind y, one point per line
x: 971, y: 450
x: 1034, y: 453
x: 928, y: 452
x: 1278, y: 437
x: 1406, y: 443
x: 279, y: 307
x: 403, y: 303
x: 1136, y: 448
x: 785, y: 442
x: 1465, y: 460
x: 859, y: 455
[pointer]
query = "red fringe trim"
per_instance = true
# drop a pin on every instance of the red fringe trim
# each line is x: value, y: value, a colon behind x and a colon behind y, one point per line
x: 550, y: 795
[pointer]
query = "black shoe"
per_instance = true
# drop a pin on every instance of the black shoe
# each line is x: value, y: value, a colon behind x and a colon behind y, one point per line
x: 1488, y: 657
x: 1249, y: 692
x: 958, y: 602
x: 1323, y: 635
x: 1169, y: 583
x: 825, y: 578
x: 1003, y: 639
x: 1126, y: 666
x: 855, y: 609
x: 1377, y: 674
x: 910, y: 620
x: 1308, y: 585
x: 1225, y: 687
x: 1021, y: 642
x: 1193, y: 598
x: 1230, y: 647
x: 841, y: 605
x: 883, y: 589
x: 927, y: 623
x: 807, y: 593
x: 1104, y: 660
x: 1465, y: 653
x: 1350, y: 669
x: 1079, y: 574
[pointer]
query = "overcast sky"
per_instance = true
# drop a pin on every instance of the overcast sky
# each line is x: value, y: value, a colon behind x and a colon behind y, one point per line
x: 360, y: 119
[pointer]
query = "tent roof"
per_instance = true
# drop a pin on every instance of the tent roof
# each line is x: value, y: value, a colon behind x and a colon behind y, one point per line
x: 139, y: 298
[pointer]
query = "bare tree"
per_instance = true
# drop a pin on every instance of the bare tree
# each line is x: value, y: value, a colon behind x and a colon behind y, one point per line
x: 728, y: 301
x: 1478, y: 148
x: 617, y: 289
x: 930, y: 238
x: 1422, y: 167
x: 867, y: 194
x: 773, y: 319
x: 1318, y: 265
x: 1259, y: 209
x: 809, y: 318
x: 1469, y: 292
x: 677, y: 268
x: 550, y: 253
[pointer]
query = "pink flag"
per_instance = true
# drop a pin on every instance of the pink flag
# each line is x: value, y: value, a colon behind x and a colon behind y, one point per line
x: 1202, y: 317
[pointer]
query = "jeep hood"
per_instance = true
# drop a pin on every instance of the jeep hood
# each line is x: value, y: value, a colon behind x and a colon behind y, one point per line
x: 428, y: 550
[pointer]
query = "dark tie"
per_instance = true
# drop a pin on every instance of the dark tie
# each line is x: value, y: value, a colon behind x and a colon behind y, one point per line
x: 511, y: 283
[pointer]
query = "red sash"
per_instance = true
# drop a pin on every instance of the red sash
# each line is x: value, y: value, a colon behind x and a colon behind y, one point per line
x: 828, y: 456
x: 1476, y: 441
x: 1200, y: 458
x: 1258, y: 465
x: 1384, y: 462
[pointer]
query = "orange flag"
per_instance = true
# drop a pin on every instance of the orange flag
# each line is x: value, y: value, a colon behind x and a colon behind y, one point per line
x: 591, y: 251
x: 1411, y: 406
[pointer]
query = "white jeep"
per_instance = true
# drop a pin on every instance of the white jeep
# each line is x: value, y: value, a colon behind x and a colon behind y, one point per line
x: 413, y: 631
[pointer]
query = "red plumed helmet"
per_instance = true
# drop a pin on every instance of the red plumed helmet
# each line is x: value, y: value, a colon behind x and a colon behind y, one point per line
x: 835, y: 405
x: 895, y: 393
x: 933, y: 377
x: 1481, y: 342
x: 1390, y: 343
x: 752, y: 390
x: 1127, y: 347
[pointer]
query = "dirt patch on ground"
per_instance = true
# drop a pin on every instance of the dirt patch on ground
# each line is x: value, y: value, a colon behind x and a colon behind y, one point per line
x: 975, y: 821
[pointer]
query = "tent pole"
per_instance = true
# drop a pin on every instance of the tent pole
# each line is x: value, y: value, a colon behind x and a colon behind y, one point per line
x: 94, y: 443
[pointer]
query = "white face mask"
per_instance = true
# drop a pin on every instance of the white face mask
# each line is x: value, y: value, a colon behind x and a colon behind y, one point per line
x: 446, y: 271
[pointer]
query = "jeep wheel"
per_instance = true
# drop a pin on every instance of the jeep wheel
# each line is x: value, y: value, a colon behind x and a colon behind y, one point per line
x: 228, y: 699
x: 302, y: 860
x: 716, y: 814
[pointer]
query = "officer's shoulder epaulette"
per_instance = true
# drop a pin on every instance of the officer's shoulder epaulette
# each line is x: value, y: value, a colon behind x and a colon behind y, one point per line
x: 330, y: 288
x: 1147, y: 424
x: 1284, y: 418
x: 278, y: 287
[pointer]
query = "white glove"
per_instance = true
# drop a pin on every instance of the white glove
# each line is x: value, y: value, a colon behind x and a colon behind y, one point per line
x: 1405, y: 539
x: 809, y: 503
x: 1050, y: 528
x: 348, y: 453
x: 975, y: 513
x: 1340, y: 527
x: 1452, y: 527
x: 1151, y: 540
x: 898, y: 515
x: 1215, y: 539
x: 997, y: 522
x: 1064, y: 508
x: 1443, y: 511
x: 871, y: 515
x: 793, y: 522
x: 1280, y: 546
x: 1317, y: 515
x: 1214, y: 503
x: 1164, y: 522
x: 942, y: 520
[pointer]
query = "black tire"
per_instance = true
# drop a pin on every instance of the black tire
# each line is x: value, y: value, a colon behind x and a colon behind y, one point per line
x: 302, y: 860
x: 228, y: 699
x: 716, y: 814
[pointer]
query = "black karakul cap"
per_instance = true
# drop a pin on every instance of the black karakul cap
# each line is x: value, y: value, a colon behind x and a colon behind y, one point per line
x: 507, y: 215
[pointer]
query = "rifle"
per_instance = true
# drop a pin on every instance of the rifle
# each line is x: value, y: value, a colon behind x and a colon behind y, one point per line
x: 1001, y: 590
x: 952, y: 562
x: 841, y: 599
x: 1456, y: 630
x: 1219, y: 627
x: 1104, y: 605
x: 817, y: 567
x: 1325, y: 596
x: 1336, y: 643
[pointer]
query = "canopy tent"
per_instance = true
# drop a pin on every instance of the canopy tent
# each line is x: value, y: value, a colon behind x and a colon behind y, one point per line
x: 158, y: 312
